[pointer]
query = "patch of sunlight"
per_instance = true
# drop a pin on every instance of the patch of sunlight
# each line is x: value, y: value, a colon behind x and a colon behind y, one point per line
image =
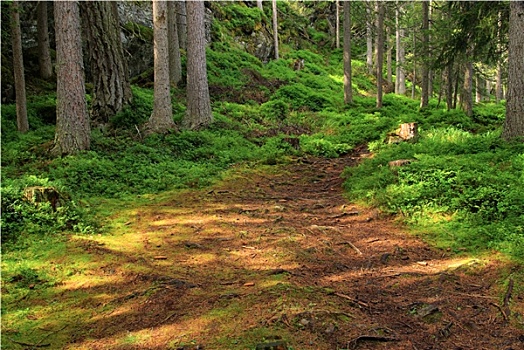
x: 122, y: 310
x: 91, y: 281
x: 363, y: 92
x: 202, y: 259
x: 337, y: 78
x: 465, y: 262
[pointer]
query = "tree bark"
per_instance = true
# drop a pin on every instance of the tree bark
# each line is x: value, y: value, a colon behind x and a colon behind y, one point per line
x: 389, y: 57
x: 198, y: 114
x: 499, y: 95
x: 18, y: 70
x: 182, y: 23
x: 380, y: 52
x: 348, y: 93
x: 369, y: 37
x: 275, y: 28
x: 514, y: 123
x: 449, y: 86
x: 44, y: 54
x: 337, y: 24
x: 175, y: 63
x: 400, y: 81
x: 112, y: 90
x: 72, y: 122
x: 162, y: 118
x: 424, y: 96
x: 467, y: 90
x: 260, y: 5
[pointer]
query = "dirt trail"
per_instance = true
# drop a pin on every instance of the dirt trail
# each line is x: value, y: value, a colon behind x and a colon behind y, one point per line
x: 280, y: 258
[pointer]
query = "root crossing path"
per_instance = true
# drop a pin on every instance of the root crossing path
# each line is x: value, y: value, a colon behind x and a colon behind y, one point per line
x: 278, y: 258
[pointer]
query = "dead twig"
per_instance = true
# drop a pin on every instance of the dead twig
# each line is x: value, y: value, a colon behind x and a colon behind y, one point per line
x: 501, y: 311
x: 475, y: 295
x: 352, y: 246
x: 507, y: 297
x: 353, y: 300
x: 354, y: 342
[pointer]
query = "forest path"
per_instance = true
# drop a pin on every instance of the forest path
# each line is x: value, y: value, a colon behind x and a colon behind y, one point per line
x: 278, y: 257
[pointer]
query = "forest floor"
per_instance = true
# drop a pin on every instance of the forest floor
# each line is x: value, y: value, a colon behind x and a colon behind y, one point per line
x: 272, y: 258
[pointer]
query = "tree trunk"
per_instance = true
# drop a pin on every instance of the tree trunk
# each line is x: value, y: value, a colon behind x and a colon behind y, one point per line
x: 18, y: 70
x: 478, y: 89
x: 182, y: 23
x: 175, y: 63
x: 275, y: 28
x: 467, y: 91
x: 44, y: 55
x: 449, y: 86
x: 514, y: 123
x: 72, y: 122
x: 429, y: 59
x: 260, y: 5
x: 348, y: 93
x: 424, y: 97
x: 198, y: 112
x: 380, y: 51
x: 369, y: 37
x: 112, y: 90
x: 162, y: 118
x: 337, y: 24
x: 498, y: 83
x: 389, y: 57
x: 400, y: 81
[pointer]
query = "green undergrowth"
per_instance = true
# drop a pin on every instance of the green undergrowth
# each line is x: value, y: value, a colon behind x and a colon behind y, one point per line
x: 462, y: 189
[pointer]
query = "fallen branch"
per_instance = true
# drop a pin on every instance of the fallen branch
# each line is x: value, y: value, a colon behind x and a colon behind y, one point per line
x: 352, y: 246
x: 501, y: 311
x: 507, y: 297
x: 354, y: 342
x: 29, y: 344
x: 355, y: 301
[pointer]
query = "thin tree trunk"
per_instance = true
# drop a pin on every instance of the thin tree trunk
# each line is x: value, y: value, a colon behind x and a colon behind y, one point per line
x: 429, y: 59
x: 182, y: 23
x: 498, y: 84
x: 514, y: 123
x: 478, y: 89
x: 424, y: 96
x: 389, y: 57
x: 337, y: 24
x: 72, y: 122
x: 162, y: 118
x: 198, y: 114
x: 112, y: 90
x: 414, y: 82
x: 260, y: 5
x: 348, y: 93
x: 456, y: 88
x: 449, y: 86
x: 175, y: 63
x: 44, y: 54
x: 275, y: 28
x: 467, y: 91
x: 369, y: 37
x: 400, y: 81
x: 18, y: 70
x: 380, y: 52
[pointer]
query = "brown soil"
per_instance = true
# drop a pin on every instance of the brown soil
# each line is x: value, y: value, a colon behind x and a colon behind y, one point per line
x: 279, y: 258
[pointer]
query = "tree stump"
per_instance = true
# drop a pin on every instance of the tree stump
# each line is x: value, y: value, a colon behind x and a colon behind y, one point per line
x: 405, y: 132
x: 41, y: 194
